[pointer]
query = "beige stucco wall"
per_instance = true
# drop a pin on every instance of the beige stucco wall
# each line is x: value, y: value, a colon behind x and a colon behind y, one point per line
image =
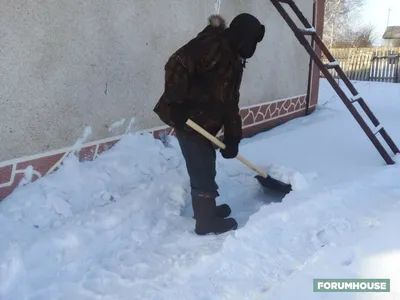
x: 70, y: 64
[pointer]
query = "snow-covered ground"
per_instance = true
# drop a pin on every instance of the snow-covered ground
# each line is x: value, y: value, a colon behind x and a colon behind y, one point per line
x: 121, y: 227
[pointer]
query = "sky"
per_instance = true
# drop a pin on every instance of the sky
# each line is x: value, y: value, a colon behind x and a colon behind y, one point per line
x: 376, y: 12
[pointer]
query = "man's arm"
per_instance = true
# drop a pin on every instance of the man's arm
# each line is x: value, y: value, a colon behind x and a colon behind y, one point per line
x: 233, y: 123
x: 233, y: 120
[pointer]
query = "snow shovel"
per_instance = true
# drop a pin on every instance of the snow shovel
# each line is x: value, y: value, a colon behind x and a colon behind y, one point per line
x: 263, y: 178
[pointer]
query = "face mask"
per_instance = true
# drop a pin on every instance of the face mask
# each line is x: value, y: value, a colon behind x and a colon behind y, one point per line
x: 261, y: 34
x: 246, y: 50
x: 247, y: 47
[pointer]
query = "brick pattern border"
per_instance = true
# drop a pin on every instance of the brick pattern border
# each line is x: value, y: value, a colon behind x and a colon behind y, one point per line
x: 256, y: 119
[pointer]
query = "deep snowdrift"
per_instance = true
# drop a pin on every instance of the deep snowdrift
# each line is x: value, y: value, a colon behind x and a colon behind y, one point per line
x: 121, y: 227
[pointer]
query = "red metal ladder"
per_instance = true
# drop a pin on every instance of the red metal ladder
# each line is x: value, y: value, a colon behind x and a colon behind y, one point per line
x: 309, y: 30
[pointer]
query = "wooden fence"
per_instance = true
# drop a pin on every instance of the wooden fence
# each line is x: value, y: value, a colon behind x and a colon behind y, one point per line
x: 368, y: 64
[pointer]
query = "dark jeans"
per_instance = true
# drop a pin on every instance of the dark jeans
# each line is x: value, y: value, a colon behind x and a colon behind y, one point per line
x: 200, y: 156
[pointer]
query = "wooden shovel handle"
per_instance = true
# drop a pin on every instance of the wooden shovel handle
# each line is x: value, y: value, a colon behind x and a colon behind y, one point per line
x: 221, y: 145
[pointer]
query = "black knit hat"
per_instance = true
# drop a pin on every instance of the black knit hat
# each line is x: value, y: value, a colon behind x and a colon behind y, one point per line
x: 246, y: 31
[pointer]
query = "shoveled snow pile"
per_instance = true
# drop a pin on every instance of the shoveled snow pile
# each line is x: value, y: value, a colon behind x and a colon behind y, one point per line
x: 121, y: 227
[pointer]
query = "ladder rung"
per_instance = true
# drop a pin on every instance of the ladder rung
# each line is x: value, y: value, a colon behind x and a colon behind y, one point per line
x: 356, y: 98
x: 378, y: 129
x: 332, y: 65
x: 307, y: 31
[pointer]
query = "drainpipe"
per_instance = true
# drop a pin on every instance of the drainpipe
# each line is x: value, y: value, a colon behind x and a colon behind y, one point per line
x: 311, y: 63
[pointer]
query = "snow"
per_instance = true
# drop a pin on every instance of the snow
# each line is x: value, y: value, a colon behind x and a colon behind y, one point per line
x: 311, y: 29
x: 356, y: 98
x: 129, y: 127
x: 84, y: 138
x: 377, y: 129
x: 121, y: 227
x: 28, y: 175
x: 333, y: 64
x: 116, y: 125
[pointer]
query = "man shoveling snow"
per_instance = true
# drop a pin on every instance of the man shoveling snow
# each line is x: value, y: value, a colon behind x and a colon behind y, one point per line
x: 202, y: 83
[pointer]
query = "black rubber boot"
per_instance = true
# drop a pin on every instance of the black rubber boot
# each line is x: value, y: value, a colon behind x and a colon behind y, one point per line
x: 223, y: 211
x: 207, y: 220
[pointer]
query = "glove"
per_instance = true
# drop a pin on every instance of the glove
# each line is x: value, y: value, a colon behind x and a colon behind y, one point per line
x: 179, y: 114
x: 231, y: 150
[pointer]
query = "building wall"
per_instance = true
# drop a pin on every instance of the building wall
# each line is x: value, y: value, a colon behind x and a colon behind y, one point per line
x: 392, y: 43
x: 76, y: 65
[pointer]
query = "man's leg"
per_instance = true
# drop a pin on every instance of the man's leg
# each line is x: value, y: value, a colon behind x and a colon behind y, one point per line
x: 200, y: 157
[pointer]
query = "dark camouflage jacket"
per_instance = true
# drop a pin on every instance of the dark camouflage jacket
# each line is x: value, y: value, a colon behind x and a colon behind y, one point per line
x: 206, y: 74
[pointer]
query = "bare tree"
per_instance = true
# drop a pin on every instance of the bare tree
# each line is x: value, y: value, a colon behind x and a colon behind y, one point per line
x: 339, y: 15
x: 364, y: 36
x: 355, y: 37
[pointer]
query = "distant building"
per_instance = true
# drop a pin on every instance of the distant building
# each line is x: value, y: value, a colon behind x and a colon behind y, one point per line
x: 391, y: 36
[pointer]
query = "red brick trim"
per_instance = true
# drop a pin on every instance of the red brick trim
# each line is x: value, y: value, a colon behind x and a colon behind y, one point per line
x: 256, y: 118
x: 266, y: 116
